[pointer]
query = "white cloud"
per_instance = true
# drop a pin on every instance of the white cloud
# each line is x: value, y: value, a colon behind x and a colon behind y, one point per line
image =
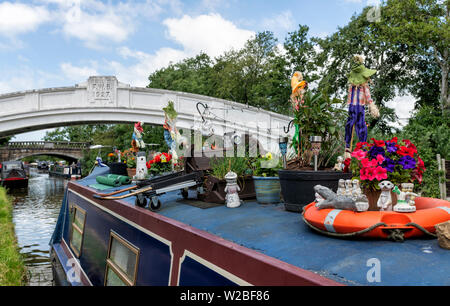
x: 18, y: 18
x: 403, y: 106
x: 78, y: 73
x: 279, y: 23
x: 208, y: 33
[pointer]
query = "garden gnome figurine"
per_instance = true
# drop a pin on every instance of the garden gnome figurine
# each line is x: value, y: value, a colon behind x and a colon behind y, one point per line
x: 232, y: 198
x: 358, y: 97
x: 137, y: 141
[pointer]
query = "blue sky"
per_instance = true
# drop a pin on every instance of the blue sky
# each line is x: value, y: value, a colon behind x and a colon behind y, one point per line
x: 51, y: 43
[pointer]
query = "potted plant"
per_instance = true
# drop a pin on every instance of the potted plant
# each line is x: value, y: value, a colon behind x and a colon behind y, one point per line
x: 315, y: 114
x: 115, y: 166
x: 214, y: 186
x: 130, y: 160
x: 379, y: 160
x: 266, y: 180
x: 160, y: 164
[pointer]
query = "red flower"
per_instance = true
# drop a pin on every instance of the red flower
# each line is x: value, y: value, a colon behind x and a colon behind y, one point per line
x: 157, y: 158
x: 404, y: 151
x: 420, y: 164
x: 394, y: 140
x: 378, y: 143
x: 347, y: 164
x: 360, y: 145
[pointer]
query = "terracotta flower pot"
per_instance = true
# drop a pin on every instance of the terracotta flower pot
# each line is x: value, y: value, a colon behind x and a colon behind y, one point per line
x: 373, y: 195
x: 131, y: 172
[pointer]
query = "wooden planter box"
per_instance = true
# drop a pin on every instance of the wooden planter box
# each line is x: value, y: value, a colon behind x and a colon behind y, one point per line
x: 214, y: 189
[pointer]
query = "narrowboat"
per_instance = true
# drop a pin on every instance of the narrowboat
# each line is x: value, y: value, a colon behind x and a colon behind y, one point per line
x: 42, y: 165
x: 14, y: 174
x: 176, y: 241
x: 64, y: 171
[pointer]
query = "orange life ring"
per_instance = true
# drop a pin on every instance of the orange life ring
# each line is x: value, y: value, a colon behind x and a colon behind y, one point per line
x: 382, y: 224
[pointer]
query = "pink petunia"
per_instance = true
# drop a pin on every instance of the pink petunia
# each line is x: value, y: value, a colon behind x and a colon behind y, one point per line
x: 380, y: 158
x: 367, y: 174
x: 366, y: 163
x: 359, y: 154
x: 380, y: 173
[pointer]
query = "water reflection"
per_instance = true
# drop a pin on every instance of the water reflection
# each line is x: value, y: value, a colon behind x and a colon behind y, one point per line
x: 36, y: 210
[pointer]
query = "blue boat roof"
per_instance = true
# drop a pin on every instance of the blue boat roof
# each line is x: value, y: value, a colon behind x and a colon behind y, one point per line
x: 273, y: 231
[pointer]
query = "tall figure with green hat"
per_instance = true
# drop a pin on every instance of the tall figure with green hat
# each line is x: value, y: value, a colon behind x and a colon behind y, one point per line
x: 358, y: 97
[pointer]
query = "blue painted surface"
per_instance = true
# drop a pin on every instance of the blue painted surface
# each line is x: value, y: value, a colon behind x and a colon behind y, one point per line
x: 271, y: 230
x: 193, y: 273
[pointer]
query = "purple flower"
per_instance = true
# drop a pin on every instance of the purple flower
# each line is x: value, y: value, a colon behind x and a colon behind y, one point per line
x: 407, y: 162
x: 374, y: 151
x: 390, y: 146
x: 389, y: 164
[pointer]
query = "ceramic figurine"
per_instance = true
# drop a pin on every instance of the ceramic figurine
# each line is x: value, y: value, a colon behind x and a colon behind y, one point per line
x: 137, y: 141
x: 141, y: 168
x: 339, y: 166
x: 358, y: 97
x: 319, y: 198
x: 385, y: 200
x: 232, y: 197
x: 348, y: 188
x: 341, y: 187
x: 332, y: 200
x: 362, y: 203
x: 404, y: 198
x: 356, y: 190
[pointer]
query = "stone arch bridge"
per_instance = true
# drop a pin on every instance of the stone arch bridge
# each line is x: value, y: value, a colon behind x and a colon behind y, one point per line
x: 103, y: 99
x: 16, y: 150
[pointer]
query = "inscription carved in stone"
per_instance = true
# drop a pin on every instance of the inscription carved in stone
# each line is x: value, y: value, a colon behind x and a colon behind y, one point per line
x: 102, y: 90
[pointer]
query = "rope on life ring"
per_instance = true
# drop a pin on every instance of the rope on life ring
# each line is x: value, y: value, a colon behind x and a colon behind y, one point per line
x: 422, y: 229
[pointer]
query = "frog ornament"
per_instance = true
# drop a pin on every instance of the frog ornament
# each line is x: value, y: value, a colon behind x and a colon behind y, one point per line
x: 405, y: 198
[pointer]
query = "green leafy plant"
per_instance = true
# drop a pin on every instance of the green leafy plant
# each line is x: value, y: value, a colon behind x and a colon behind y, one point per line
x: 266, y: 166
x: 318, y: 115
x: 221, y: 166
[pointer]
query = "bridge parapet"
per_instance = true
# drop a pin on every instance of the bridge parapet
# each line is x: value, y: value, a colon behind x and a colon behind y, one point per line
x: 57, y: 145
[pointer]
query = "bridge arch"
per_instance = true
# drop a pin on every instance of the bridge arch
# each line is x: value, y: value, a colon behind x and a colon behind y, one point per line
x: 103, y: 99
x: 16, y: 150
x: 69, y: 157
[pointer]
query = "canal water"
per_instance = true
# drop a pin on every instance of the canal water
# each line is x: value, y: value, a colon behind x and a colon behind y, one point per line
x: 35, y: 213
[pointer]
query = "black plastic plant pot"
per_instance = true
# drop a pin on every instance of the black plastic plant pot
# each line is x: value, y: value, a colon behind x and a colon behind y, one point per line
x: 118, y: 168
x: 297, y: 187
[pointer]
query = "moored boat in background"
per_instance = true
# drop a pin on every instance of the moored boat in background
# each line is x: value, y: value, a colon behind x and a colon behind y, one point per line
x: 14, y: 174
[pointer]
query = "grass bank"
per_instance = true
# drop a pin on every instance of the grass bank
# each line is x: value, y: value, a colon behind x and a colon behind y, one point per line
x: 12, y: 267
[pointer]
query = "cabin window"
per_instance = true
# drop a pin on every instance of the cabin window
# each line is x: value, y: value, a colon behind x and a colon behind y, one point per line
x: 76, y: 236
x: 122, y: 261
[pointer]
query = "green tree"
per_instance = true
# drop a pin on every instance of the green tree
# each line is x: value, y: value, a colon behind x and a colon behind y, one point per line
x: 424, y: 25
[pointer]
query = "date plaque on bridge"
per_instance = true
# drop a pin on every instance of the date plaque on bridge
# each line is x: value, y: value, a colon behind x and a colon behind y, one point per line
x: 102, y: 90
